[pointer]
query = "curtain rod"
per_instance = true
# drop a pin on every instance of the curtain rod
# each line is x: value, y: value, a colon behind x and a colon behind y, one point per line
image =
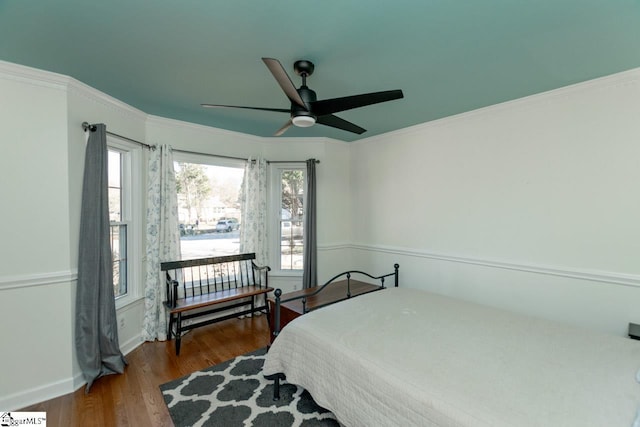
x: 175, y: 150
x: 86, y: 126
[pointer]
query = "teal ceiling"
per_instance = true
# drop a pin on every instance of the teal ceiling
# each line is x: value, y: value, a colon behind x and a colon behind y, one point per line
x: 166, y: 57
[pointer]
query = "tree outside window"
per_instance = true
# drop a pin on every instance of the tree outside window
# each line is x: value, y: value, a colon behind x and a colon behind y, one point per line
x: 208, y: 208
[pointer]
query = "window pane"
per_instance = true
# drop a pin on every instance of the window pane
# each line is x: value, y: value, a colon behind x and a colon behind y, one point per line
x: 208, y: 209
x: 115, y: 187
x: 119, y: 258
x: 118, y: 230
x: 292, y: 231
x: 291, y: 245
x: 292, y: 194
x: 292, y: 219
x: 115, y: 163
x: 115, y: 205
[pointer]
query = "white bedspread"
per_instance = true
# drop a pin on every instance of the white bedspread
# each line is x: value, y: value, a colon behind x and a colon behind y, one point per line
x: 403, y: 357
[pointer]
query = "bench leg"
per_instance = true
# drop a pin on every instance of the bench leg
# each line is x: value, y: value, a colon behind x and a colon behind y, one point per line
x: 170, y: 332
x: 178, y: 333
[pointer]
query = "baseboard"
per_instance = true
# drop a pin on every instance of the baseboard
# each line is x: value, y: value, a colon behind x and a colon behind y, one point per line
x: 38, y: 394
x: 55, y: 389
x: 130, y: 345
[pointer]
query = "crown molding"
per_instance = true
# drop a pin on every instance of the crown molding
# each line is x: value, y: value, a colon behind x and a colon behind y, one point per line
x: 625, y: 78
x: 303, y: 140
x: 42, y: 78
x: 88, y: 92
x: 34, y: 76
x: 174, y: 123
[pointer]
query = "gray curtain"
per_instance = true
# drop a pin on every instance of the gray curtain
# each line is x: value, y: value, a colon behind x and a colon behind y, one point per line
x: 310, y: 273
x: 97, y: 346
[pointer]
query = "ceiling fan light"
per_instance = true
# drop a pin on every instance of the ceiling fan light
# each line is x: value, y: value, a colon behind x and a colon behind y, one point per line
x: 303, y: 121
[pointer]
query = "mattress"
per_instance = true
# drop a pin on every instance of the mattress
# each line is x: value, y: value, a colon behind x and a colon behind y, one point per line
x: 412, y: 358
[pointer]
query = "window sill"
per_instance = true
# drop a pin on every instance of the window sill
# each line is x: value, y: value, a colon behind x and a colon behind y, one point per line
x: 286, y: 273
x: 126, y: 301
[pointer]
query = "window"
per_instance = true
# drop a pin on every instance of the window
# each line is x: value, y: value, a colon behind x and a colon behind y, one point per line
x: 208, y: 205
x: 288, y: 185
x: 125, y: 207
x: 118, y: 225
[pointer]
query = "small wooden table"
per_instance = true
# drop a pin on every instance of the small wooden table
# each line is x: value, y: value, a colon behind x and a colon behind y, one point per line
x: 334, y: 292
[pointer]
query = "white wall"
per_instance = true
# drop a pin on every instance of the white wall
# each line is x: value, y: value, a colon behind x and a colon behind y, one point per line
x: 530, y: 205
x: 35, y: 266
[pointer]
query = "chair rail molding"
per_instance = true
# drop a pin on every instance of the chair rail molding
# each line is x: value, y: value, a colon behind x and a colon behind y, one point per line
x: 615, y: 278
x: 38, y: 279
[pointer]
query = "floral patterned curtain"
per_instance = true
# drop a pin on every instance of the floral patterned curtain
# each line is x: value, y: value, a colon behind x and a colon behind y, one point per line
x: 253, y: 226
x: 163, y: 239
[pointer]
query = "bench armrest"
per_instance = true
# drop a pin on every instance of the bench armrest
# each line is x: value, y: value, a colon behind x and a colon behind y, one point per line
x: 260, y: 269
x: 172, y: 293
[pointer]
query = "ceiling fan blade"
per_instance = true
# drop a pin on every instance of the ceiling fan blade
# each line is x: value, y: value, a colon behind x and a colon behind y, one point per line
x: 337, y: 122
x: 284, y: 128
x: 335, y: 105
x: 278, y: 110
x: 284, y: 81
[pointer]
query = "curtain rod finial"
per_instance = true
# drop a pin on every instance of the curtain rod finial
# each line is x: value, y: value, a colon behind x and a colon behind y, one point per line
x: 86, y: 126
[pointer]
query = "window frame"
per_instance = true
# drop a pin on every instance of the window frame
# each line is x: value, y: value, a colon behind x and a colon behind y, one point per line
x: 131, y: 215
x: 209, y: 160
x: 275, y: 209
x: 205, y: 159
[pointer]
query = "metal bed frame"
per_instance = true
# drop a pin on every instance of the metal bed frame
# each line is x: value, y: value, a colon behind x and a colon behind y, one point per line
x: 279, y: 300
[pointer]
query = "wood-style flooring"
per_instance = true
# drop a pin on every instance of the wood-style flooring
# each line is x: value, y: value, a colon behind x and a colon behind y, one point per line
x: 134, y: 398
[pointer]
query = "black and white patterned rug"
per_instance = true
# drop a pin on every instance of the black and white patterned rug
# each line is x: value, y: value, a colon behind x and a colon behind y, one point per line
x: 235, y: 393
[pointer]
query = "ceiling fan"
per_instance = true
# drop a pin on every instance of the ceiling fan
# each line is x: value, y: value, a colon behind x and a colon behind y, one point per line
x: 305, y: 109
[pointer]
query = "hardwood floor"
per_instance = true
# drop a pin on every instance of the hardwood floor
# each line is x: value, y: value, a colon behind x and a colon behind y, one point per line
x: 134, y: 398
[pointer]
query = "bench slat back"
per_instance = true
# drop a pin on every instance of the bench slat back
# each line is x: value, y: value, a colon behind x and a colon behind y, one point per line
x: 207, y: 275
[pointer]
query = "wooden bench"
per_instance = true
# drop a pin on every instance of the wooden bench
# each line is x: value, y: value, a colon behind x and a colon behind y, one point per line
x: 195, y: 286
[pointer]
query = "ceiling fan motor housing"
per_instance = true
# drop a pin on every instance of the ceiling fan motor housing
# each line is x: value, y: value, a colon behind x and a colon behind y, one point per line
x: 303, y: 117
x: 303, y: 67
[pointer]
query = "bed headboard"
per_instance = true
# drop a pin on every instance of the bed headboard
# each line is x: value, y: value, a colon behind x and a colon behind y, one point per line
x: 339, y: 288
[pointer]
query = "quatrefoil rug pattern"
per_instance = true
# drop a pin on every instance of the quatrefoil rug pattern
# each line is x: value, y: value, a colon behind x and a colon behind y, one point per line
x: 235, y: 393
